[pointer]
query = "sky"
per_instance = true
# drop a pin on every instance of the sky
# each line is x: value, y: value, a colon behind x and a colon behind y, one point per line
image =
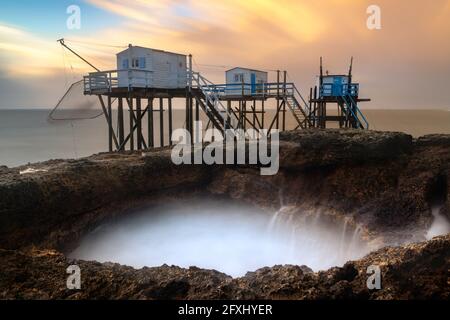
x: 405, y: 64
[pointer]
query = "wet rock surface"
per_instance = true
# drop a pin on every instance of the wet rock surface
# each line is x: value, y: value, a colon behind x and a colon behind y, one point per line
x: 415, y: 271
x: 384, y: 182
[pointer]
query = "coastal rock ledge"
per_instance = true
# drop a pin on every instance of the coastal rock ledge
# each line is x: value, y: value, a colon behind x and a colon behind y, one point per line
x: 387, y: 183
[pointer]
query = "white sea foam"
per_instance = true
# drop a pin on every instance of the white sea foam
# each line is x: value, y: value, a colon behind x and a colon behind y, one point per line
x: 218, y: 235
x: 440, y: 225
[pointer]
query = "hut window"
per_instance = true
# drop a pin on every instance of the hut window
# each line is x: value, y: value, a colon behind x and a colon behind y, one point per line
x: 239, y: 77
x: 125, y: 64
x: 142, y: 63
x: 135, y: 63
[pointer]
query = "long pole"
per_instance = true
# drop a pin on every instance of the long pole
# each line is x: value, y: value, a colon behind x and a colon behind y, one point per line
x: 61, y: 41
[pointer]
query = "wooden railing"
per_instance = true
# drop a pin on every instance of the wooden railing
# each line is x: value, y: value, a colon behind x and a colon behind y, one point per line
x: 108, y: 80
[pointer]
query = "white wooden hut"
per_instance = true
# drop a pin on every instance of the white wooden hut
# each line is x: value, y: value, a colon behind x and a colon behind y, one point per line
x: 141, y: 67
x: 245, y: 81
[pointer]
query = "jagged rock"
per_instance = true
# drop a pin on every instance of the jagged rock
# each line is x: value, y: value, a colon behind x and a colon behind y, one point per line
x: 415, y: 271
x: 385, y: 182
x: 321, y: 148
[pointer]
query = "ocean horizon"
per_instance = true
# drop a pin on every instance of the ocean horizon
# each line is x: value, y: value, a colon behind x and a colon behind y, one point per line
x: 26, y: 136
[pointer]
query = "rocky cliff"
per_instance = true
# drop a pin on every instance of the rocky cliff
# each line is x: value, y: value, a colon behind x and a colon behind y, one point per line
x: 385, y: 182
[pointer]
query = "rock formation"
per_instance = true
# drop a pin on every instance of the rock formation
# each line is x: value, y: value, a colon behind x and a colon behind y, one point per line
x: 384, y: 182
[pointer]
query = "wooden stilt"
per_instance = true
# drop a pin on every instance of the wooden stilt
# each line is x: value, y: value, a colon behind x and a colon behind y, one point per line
x: 240, y: 120
x: 110, y: 131
x: 228, y: 114
x: 108, y: 116
x: 197, y: 119
x: 254, y: 113
x: 170, y: 121
x: 139, y: 123
x: 244, y: 112
x: 151, y: 140
x: 120, y: 120
x: 284, y: 104
x: 278, y: 99
x: 191, y: 112
x: 315, y: 107
x: 186, y: 109
x: 130, y: 109
x: 161, y: 121
x: 262, y: 114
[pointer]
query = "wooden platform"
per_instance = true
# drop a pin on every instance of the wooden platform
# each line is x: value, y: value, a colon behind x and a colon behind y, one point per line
x: 141, y: 92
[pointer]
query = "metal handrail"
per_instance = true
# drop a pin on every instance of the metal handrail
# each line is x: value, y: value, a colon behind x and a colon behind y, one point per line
x: 357, y: 111
x: 261, y: 88
x: 303, y: 100
x: 211, y: 96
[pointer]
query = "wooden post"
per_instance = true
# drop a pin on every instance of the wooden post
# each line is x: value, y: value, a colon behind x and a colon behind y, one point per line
x: 191, y: 112
x: 161, y: 121
x: 315, y: 122
x: 262, y: 114
x: 130, y: 106
x: 324, y: 111
x: 228, y: 114
x: 170, y: 121
x: 110, y: 132
x: 254, y: 113
x: 284, y: 103
x: 108, y: 117
x: 244, y: 113
x: 187, y: 112
x: 310, y: 107
x: 121, y: 123
x: 197, y: 118
x: 278, y: 98
x: 151, y: 140
x: 139, y: 123
x: 240, y: 115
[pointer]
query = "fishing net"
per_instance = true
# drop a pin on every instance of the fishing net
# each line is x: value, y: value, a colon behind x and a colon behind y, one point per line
x: 75, y: 105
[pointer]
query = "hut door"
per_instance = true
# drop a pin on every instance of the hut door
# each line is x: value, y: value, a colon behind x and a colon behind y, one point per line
x: 337, y: 86
x: 253, y: 82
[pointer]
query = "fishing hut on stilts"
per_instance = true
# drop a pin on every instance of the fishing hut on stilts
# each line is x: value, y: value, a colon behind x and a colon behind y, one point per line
x: 340, y: 91
x: 147, y: 82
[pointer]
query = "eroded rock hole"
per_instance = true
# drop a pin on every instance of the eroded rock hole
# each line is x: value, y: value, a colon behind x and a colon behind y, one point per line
x: 226, y: 236
x: 436, y: 192
x: 436, y: 196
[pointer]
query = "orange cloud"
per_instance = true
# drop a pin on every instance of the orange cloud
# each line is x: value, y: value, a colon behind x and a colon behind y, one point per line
x: 266, y: 34
x: 25, y: 54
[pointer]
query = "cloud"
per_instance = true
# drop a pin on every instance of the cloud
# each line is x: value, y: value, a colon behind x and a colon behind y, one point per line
x: 25, y: 54
x: 265, y: 34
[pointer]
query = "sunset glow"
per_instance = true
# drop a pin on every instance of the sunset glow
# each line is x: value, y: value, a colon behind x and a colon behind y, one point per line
x: 410, y: 51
